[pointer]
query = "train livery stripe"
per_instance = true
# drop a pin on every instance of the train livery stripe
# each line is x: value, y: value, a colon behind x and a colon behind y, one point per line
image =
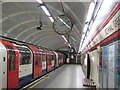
x: 102, y: 30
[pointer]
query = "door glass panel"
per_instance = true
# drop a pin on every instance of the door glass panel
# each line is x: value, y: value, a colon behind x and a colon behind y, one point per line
x: 53, y: 58
x: 25, y: 55
x: 44, y: 57
x: 11, y: 57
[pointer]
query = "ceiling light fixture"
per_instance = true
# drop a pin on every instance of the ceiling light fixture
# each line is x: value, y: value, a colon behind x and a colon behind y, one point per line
x: 69, y: 45
x: 45, y: 10
x: 51, y: 19
x: 39, y: 1
x: 85, y: 28
x: 73, y: 39
x: 66, y: 40
x: 90, y: 11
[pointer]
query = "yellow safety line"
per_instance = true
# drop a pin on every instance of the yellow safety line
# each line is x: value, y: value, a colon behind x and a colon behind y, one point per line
x: 43, y: 79
x: 36, y: 83
x: 50, y: 74
x: 39, y: 82
x: 46, y: 77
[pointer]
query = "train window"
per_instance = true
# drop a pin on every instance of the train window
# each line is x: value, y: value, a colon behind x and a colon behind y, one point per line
x: 44, y: 57
x: 25, y: 55
x: 37, y: 57
x: 11, y: 57
x: 53, y: 58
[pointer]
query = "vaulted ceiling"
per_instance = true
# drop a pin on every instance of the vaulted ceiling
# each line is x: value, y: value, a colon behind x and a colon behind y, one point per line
x: 21, y: 19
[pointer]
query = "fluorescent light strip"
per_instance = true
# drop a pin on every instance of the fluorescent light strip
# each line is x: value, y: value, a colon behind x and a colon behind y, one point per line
x: 90, y: 11
x: 66, y: 40
x: 45, y: 10
x: 39, y: 1
x: 73, y: 39
x: 69, y: 45
x: 85, y: 28
x: 51, y: 19
x: 74, y: 43
x: 47, y: 13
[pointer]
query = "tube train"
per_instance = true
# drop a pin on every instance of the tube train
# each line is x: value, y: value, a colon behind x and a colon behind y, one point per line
x: 101, y: 56
x: 20, y: 64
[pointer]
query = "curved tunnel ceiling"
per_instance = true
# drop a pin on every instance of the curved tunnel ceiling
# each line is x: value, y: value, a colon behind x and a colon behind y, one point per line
x: 20, y: 21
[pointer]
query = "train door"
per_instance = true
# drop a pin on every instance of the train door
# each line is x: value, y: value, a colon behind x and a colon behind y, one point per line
x: 37, y: 63
x: 3, y: 67
x: 50, y: 66
x: 62, y: 59
x: 59, y: 59
x: 56, y: 59
x: 12, y: 64
x: 44, y: 62
x: 53, y: 60
x: 25, y: 63
x: 48, y: 62
x: 40, y: 63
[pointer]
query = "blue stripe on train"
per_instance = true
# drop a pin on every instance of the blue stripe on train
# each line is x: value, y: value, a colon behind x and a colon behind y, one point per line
x: 53, y: 67
x: 44, y: 71
x: 25, y: 79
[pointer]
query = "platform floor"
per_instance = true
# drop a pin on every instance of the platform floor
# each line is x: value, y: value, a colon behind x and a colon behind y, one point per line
x: 67, y: 76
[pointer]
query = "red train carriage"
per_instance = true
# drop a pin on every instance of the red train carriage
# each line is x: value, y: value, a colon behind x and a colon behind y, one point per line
x: 56, y: 58
x: 22, y: 63
x: 37, y: 62
x: 48, y: 60
x: 60, y: 58
x: 12, y: 64
x: 44, y: 64
x: 53, y: 59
